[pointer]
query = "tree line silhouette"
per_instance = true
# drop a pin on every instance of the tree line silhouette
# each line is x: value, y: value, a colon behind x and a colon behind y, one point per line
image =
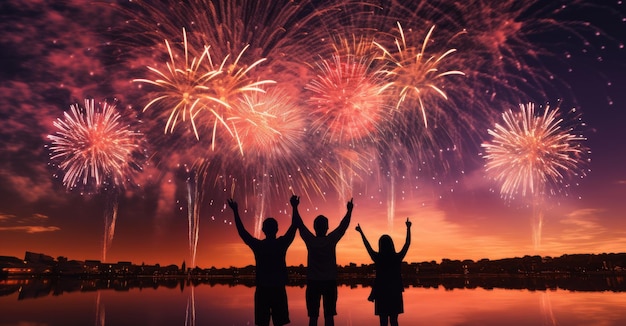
x: 35, y: 264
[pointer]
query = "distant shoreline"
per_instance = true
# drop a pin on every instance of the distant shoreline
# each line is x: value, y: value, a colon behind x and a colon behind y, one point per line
x: 58, y: 284
x: 578, y: 265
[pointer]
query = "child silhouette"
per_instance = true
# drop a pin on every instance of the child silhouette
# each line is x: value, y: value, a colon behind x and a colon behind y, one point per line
x: 387, y: 289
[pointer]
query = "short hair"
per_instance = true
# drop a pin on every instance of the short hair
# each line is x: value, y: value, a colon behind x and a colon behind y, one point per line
x: 270, y: 225
x: 320, y: 224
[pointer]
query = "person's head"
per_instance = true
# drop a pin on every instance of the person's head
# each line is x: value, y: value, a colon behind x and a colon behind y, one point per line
x: 385, y: 245
x: 270, y: 227
x: 320, y: 224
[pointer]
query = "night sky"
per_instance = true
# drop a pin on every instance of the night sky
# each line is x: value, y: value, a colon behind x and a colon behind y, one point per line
x: 55, y: 54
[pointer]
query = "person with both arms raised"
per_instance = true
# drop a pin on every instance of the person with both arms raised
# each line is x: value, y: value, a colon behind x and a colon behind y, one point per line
x: 321, y: 272
x: 270, y: 297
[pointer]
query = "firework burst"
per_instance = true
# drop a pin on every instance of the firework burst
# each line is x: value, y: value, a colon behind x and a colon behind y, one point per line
x: 503, y: 50
x: 271, y: 126
x: 349, y: 95
x: 415, y: 74
x: 198, y: 85
x: 94, y: 146
x: 182, y: 86
x: 97, y: 150
x: 533, y: 154
x: 278, y: 30
x: 274, y: 156
x: 273, y: 147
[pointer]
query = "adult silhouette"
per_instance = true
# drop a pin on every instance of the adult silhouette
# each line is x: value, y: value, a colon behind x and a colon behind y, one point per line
x: 321, y: 272
x: 387, y: 289
x: 270, y: 296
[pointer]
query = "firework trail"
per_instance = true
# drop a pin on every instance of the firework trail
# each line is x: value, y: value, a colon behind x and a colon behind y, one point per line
x: 194, y: 200
x: 100, y: 312
x: 252, y: 41
x: 202, y: 92
x: 385, y: 90
x: 533, y: 155
x: 110, y: 218
x: 547, y: 312
x: 97, y: 151
x: 424, y: 121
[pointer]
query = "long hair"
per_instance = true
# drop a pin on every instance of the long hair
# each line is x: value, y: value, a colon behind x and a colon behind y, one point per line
x: 385, y: 246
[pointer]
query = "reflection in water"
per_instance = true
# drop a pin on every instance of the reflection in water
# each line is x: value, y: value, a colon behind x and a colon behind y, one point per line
x: 28, y: 288
x: 546, y: 310
x: 204, y: 303
x: 99, y: 311
x: 190, y: 314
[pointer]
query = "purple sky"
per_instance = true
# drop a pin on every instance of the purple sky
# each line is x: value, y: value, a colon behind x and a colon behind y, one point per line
x: 54, y: 55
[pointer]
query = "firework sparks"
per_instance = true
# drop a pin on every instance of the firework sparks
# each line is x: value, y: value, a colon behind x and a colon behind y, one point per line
x: 96, y: 149
x: 277, y: 31
x: 94, y: 146
x: 197, y: 84
x: 183, y: 89
x: 414, y: 74
x: 349, y: 100
x: 272, y: 141
x: 270, y: 126
x: 203, y: 92
x: 503, y: 54
x: 530, y: 153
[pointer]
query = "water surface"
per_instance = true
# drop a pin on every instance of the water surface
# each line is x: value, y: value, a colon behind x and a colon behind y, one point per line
x: 44, y: 302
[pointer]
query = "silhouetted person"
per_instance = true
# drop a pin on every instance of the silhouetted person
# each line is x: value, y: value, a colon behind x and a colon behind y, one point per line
x: 387, y: 289
x: 321, y: 272
x: 270, y: 296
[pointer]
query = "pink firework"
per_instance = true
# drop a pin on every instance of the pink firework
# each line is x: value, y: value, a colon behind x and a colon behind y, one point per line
x: 503, y: 49
x: 533, y: 154
x: 94, y: 146
x: 272, y: 146
x: 97, y: 149
x: 349, y: 95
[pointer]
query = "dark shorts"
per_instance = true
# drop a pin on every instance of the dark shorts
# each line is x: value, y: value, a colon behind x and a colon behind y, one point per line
x: 325, y: 290
x: 271, y: 301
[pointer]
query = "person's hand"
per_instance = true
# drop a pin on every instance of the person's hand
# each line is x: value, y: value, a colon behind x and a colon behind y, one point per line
x: 358, y: 228
x: 232, y: 204
x: 350, y: 205
x: 294, y: 200
x: 408, y: 223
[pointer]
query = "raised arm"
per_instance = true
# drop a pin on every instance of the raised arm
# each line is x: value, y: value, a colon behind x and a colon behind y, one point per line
x: 345, y: 222
x: 370, y: 251
x: 295, y: 219
x: 407, y: 243
x: 305, y: 233
x: 243, y: 233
